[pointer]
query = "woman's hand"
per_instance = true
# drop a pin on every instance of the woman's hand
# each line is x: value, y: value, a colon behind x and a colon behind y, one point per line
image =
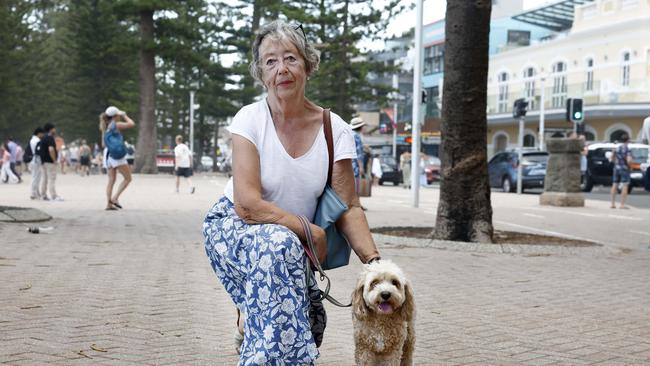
x: 320, y: 242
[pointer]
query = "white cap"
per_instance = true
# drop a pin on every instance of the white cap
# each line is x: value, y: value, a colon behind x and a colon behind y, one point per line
x: 113, y: 111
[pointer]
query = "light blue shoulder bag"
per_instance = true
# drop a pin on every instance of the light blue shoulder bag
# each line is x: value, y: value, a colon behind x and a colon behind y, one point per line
x: 330, y: 208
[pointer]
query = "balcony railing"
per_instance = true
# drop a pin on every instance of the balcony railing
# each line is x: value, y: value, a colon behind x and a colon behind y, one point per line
x: 600, y: 92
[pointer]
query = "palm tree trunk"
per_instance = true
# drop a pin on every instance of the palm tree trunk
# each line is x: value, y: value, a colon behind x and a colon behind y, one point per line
x: 465, y: 211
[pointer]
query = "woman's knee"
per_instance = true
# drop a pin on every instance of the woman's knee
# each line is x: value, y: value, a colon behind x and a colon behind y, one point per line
x: 281, y: 243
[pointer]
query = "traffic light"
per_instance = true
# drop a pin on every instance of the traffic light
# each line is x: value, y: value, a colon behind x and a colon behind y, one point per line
x: 574, y: 111
x: 519, y: 108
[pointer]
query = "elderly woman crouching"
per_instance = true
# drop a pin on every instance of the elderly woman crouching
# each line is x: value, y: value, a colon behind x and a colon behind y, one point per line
x: 280, y: 166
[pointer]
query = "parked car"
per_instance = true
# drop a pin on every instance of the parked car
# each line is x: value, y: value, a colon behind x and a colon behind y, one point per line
x: 600, y: 167
x: 431, y: 166
x: 389, y: 170
x: 206, y: 164
x: 502, y: 170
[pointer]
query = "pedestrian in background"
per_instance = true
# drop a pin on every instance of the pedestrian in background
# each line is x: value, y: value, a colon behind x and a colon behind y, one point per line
x: 130, y: 154
x: 183, y: 163
x: 20, y: 153
x: 49, y: 158
x: 84, y: 158
x: 405, y: 167
x: 6, y: 174
x: 358, y: 166
x: 35, y: 163
x: 280, y: 168
x: 112, y: 121
x: 12, y: 146
x: 621, y: 157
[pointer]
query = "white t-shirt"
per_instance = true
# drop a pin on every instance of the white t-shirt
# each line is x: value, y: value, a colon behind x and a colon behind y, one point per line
x: 292, y: 184
x: 182, y: 153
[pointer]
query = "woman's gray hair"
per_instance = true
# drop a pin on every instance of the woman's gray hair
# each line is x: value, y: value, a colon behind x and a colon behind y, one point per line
x: 279, y: 30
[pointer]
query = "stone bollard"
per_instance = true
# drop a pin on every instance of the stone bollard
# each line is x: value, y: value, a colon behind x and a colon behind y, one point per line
x: 562, y: 182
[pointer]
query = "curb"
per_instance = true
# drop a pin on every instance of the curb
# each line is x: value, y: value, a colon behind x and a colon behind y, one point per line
x: 389, y: 241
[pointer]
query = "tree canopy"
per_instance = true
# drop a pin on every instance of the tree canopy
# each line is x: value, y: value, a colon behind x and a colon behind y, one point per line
x: 65, y: 61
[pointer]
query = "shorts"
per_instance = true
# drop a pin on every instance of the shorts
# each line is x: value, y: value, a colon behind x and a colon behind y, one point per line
x: 621, y: 176
x: 85, y: 160
x: 130, y: 161
x: 184, y: 172
x: 113, y: 163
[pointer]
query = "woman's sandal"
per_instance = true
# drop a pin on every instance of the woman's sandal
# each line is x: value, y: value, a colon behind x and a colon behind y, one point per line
x: 116, y: 204
x: 110, y: 208
x: 239, y: 335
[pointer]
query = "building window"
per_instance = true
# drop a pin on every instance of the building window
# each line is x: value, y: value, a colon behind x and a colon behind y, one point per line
x: 558, y: 96
x: 529, y: 140
x: 503, y: 92
x: 518, y: 38
x: 625, y: 70
x: 434, y: 59
x: 617, y: 136
x: 529, y: 87
x: 589, y: 85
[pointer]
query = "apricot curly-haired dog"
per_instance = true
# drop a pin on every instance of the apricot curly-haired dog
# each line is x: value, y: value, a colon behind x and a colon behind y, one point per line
x: 383, y: 312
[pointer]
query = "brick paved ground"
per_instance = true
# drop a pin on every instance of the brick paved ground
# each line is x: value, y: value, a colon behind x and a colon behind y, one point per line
x: 137, y: 285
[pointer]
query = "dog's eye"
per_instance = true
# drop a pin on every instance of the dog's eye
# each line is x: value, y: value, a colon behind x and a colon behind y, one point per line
x: 396, y: 283
x: 373, y: 283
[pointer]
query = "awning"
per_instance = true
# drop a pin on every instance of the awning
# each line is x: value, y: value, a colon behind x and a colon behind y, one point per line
x: 557, y: 16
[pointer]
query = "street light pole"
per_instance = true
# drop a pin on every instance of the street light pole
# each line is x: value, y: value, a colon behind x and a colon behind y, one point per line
x: 520, y: 154
x: 417, y: 96
x: 395, y: 86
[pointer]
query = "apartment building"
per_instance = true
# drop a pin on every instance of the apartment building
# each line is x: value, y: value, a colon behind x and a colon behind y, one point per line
x: 604, y: 58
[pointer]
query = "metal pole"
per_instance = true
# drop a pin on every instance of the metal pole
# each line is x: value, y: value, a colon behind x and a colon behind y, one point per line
x: 192, y: 123
x: 520, y: 155
x: 542, y: 147
x: 395, y: 86
x: 417, y: 96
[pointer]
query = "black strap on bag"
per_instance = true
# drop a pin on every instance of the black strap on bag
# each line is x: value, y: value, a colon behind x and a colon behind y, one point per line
x: 310, y: 250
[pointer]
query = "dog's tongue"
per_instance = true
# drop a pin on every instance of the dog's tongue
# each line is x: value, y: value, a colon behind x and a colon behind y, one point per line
x: 385, y: 307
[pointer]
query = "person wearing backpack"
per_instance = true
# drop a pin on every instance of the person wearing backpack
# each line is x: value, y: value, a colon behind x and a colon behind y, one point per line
x: 111, y: 122
x: 33, y: 158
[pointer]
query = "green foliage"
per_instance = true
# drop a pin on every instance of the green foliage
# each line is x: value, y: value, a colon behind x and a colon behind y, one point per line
x: 64, y: 61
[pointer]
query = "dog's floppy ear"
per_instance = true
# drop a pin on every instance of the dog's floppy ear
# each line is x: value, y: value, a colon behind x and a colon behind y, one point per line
x: 408, y: 307
x: 359, y: 309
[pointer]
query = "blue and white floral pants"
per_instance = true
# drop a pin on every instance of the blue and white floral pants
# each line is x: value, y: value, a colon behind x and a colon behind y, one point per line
x: 263, y: 269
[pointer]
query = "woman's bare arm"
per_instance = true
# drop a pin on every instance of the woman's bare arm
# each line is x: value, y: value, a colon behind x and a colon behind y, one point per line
x: 353, y: 222
x: 125, y: 125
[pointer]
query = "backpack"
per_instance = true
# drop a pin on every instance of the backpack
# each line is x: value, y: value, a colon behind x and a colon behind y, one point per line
x: 29, y: 154
x: 114, y: 142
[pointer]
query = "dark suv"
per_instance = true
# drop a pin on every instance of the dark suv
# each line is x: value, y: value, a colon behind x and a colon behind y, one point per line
x: 502, y: 170
x: 600, y: 167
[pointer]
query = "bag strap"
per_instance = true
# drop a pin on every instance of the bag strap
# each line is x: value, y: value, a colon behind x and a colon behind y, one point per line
x: 327, y: 129
x: 310, y: 250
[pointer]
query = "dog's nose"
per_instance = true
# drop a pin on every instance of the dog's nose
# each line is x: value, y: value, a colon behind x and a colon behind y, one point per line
x: 385, y: 295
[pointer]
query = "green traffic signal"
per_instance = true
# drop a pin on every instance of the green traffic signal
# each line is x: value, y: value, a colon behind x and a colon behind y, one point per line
x: 577, y: 115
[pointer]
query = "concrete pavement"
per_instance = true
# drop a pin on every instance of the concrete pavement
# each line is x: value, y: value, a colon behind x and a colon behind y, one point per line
x: 135, y: 287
